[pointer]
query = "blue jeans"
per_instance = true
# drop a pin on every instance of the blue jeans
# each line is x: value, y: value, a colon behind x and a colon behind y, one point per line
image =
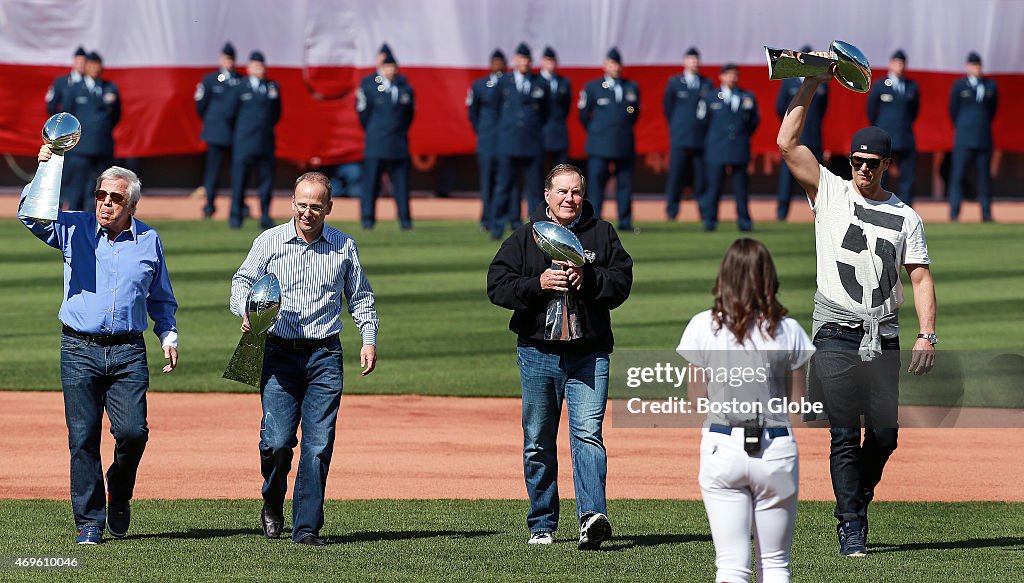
x: 582, y: 381
x: 851, y: 388
x: 94, y: 377
x: 299, y: 386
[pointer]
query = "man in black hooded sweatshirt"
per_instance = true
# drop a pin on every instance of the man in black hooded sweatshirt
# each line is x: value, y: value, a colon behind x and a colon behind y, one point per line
x: 521, y: 278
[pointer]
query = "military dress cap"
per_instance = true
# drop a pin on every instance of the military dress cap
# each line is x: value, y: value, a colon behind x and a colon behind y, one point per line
x: 614, y: 55
x: 974, y: 58
x: 549, y: 53
x: 871, y: 140
x: 899, y: 54
x: 389, y: 59
x: 729, y: 67
x: 523, y: 50
x: 228, y: 50
x: 257, y: 56
x: 806, y: 49
x: 692, y: 52
x: 94, y: 56
x: 384, y: 49
x: 497, y: 54
x: 80, y: 52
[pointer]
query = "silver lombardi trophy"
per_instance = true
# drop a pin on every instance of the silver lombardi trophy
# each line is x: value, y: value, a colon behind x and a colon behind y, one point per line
x: 263, y: 308
x: 852, y: 68
x: 61, y: 132
x: 562, y: 319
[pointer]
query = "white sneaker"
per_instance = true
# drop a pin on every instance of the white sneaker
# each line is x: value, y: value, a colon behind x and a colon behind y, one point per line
x: 540, y: 538
x: 595, y: 530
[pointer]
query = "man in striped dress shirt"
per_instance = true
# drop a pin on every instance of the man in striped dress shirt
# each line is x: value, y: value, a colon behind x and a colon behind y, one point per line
x: 302, y: 368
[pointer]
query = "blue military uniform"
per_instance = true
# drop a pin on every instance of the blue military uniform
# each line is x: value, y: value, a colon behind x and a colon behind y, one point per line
x: 256, y: 110
x: 556, y: 130
x: 55, y: 95
x: 893, y: 104
x: 811, y: 136
x: 525, y: 107
x: 972, y: 107
x: 97, y: 105
x: 608, y: 110
x: 685, y: 106
x: 732, y: 118
x: 386, y: 111
x: 215, y: 104
x: 483, y: 103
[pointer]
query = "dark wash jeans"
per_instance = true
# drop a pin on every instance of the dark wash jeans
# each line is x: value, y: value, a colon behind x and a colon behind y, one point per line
x: 95, y: 377
x: 851, y: 388
x: 299, y: 386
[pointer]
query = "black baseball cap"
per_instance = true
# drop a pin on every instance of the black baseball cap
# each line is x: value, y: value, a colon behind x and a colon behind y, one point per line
x: 871, y: 140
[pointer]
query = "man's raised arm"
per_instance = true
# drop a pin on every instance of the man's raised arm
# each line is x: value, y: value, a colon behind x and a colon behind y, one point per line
x: 799, y: 157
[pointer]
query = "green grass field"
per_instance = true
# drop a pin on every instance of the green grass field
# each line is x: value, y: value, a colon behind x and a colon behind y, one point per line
x: 440, y: 335
x: 461, y: 540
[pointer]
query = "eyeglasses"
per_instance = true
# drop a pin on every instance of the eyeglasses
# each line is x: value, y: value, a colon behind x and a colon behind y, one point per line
x: 857, y: 162
x: 115, y: 197
x: 313, y: 208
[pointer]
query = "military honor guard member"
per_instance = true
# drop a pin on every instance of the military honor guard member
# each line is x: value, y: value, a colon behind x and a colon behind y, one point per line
x: 257, y: 109
x: 96, y: 103
x: 810, y: 138
x: 55, y: 95
x: 732, y: 118
x: 215, y: 105
x: 556, y: 131
x: 685, y: 106
x: 483, y: 103
x: 386, y: 112
x: 608, y: 109
x: 893, y: 103
x: 972, y: 107
x: 525, y: 106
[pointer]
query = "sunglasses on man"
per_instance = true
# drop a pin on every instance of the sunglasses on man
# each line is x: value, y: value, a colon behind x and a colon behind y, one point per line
x: 858, y: 161
x: 115, y: 197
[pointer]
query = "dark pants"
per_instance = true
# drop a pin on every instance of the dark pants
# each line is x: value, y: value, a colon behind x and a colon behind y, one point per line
x: 686, y: 166
x: 515, y: 173
x: 347, y: 180
x: 709, y: 201
x: 907, y: 160
x: 556, y: 157
x: 598, y: 174
x: 982, y: 161
x: 78, y: 181
x: 488, y: 166
x: 786, y: 184
x: 299, y: 386
x: 851, y: 388
x: 95, y: 377
x: 242, y: 167
x: 398, y: 171
x: 215, y: 156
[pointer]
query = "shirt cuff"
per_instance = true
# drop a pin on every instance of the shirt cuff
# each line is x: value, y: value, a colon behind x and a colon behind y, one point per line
x: 169, y: 338
x: 369, y: 335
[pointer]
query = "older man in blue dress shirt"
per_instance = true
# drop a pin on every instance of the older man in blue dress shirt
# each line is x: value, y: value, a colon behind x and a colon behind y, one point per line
x: 114, y: 274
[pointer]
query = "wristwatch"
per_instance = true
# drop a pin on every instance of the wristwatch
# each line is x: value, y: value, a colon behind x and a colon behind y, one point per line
x: 931, y: 338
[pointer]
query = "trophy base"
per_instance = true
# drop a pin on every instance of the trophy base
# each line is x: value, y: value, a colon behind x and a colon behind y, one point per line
x: 246, y: 364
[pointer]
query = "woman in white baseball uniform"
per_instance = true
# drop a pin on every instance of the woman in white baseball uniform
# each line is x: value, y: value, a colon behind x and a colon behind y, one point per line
x: 752, y: 356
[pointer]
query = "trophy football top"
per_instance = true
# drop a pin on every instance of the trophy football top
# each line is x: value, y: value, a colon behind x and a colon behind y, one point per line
x: 62, y: 132
x: 264, y: 304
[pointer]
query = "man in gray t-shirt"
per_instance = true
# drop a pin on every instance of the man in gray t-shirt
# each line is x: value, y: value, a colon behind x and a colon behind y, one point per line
x: 863, y: 234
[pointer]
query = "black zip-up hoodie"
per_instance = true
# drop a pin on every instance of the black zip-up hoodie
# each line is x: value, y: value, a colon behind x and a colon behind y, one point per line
x: 513, y: 282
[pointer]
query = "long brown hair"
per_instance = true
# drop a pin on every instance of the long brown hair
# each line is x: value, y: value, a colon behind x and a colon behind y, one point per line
x: 745, y: 291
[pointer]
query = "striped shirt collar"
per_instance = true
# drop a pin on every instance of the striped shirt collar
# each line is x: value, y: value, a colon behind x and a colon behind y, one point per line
x: 329, y: 234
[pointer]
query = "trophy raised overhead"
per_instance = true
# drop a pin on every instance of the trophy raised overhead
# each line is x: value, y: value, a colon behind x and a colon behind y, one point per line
x: 562, y: 319
x: 263, y: 308
x: 851, y: 66
x: 62, y: 132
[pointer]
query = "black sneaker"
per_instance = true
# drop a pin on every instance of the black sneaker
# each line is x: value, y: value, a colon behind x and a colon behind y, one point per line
x: 595, y: 530
x: 119, y: 517
x: 852, y: 539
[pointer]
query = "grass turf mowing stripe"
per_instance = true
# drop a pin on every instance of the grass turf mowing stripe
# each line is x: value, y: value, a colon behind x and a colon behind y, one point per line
x: 467, y: 540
